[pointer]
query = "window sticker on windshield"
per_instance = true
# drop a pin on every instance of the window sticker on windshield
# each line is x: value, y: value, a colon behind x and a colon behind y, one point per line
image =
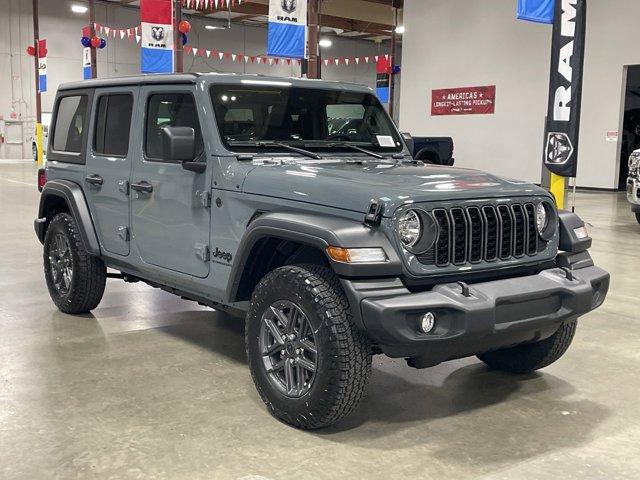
x: 385, y: 141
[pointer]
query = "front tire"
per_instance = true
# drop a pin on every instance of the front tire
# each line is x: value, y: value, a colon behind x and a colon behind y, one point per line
x: 532, y: 356
x: 309, y: 362
x: 75, y: 279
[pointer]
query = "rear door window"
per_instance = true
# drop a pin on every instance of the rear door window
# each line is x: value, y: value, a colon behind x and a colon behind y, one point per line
x: 113, y: 125
x: 70, y: 122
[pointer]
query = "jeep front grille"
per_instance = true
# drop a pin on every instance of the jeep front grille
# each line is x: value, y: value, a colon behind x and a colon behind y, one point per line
x: 475, y: 234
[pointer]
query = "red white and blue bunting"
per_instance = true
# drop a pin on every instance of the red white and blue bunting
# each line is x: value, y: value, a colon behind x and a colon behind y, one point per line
x: 209, y: 4
x: 132, y: 34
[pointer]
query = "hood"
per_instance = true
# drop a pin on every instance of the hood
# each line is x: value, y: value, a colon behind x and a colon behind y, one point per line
x: 341, y: 184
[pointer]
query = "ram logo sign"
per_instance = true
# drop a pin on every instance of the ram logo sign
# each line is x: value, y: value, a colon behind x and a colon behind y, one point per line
x: 565, y: 87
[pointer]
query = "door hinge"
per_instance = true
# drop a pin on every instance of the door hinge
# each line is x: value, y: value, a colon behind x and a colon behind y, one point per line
x: 203, y: 252
x: 123, y: 233
x: 123, y: 186
x: 205, y: 198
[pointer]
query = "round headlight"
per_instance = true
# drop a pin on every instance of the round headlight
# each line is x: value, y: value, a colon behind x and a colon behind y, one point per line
x: 542, y: 218
x: 409, y: 228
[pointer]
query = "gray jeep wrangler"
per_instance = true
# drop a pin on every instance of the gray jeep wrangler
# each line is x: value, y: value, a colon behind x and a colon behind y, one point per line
x: 297, y: 205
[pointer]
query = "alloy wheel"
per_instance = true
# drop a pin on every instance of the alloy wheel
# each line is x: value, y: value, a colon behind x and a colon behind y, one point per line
x: 61, y: 264
x: 288, y: 346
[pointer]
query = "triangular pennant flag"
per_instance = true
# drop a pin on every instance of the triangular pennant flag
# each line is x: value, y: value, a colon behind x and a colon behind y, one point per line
x: 107, y: 30
x: 208, y: 53
x: 137, y: 38
x: 336, y: 61
x: 358, y: 60
x: 366, y: 59
x: 288, y: 61
x: 233, y: 57
x: 299, y: 62
x: 346, y: 61
x: 252, y: 58
x: 326, y: 61
x: 386, y: 56
x: 221, y: 55
x: 122, y: 34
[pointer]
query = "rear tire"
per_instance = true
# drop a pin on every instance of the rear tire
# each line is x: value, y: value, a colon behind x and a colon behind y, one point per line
x: 75, y: 279
x: 327, y: 385
x: 532, y: 356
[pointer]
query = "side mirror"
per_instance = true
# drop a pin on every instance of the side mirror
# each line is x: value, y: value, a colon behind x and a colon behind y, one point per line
x: 408, y: 140
x: 179, y: 143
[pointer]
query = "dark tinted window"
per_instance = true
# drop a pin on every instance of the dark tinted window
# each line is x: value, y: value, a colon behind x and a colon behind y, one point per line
x: 69, y: 124
x: 170, y: 110
x: 313, y: 117
x: 113, y: 124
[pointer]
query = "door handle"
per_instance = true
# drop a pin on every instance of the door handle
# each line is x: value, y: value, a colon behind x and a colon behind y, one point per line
x: 142, y: 186
x: 94, y: 180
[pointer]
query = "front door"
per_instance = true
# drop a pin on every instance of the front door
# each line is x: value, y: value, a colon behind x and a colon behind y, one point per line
x: 108, y: 166
x: 170, y: 220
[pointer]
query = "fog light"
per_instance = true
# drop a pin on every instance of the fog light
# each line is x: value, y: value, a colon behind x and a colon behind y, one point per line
x: 427, y: 322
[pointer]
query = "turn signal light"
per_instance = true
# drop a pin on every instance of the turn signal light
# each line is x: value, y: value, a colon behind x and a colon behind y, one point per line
x: 357, y: 255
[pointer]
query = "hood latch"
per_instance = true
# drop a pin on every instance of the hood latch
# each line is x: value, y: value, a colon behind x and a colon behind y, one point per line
x: 373, y: 218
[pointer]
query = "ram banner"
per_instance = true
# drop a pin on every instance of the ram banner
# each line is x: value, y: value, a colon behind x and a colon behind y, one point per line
x: 287, y: 35
x: 157, y: 40
x: 565, y: 87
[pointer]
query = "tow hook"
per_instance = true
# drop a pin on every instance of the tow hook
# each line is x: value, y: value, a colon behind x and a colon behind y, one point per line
x: 568, y: 273
x: 466, y: 291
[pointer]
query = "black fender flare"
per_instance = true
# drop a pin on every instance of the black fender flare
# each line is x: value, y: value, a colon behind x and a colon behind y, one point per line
x: 569, y: 241
x: 74, y: 197
x: 320, y: 232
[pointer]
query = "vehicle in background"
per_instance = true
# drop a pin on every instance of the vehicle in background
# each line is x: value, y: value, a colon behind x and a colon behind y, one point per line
x: 297, y: 205
x: 432, y: 150
x: 46, y: 120
x: 633, y: 183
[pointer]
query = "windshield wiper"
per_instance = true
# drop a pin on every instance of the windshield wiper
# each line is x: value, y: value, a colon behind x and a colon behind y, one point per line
x: 356, y: 148
x: 301, y: 151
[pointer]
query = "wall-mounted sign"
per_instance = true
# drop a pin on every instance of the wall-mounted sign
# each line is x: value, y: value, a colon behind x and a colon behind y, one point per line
x: 464, y: 101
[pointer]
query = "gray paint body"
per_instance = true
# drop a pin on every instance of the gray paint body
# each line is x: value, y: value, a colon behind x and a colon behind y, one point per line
x: 317, y: 202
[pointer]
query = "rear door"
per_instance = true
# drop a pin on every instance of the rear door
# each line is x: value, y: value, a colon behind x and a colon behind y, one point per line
x: 170, y: 213
x: 108, y: 168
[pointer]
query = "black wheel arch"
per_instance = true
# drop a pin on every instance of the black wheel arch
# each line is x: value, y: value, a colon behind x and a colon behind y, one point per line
x: 66, y: 196
x: 273, y: 240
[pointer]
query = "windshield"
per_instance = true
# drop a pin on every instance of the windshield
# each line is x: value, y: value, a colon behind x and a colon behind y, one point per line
x: 308, y: 117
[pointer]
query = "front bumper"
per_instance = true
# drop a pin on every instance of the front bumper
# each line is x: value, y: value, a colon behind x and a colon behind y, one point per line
x: 497, y: 314
x: 633, y: 193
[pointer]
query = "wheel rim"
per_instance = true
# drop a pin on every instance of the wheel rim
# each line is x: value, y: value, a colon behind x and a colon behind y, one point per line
x: 61, y: 264
x: 288, y: 348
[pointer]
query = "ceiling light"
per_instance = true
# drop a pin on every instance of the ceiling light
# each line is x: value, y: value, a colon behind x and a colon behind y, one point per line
x: 325, y: 43
x: 400, y: 29
x: 79, y: 8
